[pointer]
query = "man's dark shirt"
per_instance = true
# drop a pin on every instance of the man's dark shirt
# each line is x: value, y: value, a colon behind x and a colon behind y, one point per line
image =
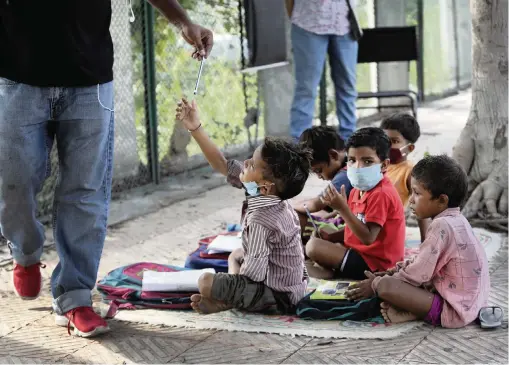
x: 56, y: 42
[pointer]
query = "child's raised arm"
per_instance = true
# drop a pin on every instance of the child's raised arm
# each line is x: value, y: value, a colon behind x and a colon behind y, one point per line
x: 187, y: 113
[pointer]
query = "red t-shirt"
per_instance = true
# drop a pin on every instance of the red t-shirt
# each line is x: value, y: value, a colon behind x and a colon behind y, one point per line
x: 381, y: 205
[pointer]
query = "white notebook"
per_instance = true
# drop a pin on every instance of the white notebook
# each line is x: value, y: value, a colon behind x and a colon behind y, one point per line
x: 186, y: 280
x: 225, y: 244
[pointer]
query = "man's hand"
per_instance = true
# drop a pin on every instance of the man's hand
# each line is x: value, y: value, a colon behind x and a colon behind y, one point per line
x: 334, y: 199
x: 202, y: 39
x: 187, y: 113
x: 362, y: 289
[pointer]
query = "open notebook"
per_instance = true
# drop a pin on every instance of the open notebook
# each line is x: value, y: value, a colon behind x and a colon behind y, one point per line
x: 186, y: 280
x: 331, y: 290
x: 225, y: 244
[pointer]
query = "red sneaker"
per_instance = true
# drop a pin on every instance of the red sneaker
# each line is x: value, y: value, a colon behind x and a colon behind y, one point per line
x: 27, y: 281
x: 84, y: 320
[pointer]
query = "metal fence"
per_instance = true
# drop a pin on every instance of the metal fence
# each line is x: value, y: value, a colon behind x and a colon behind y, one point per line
x: 153, y: 70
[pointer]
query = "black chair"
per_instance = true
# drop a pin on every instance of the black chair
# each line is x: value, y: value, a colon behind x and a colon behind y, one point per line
x: 390, y: 44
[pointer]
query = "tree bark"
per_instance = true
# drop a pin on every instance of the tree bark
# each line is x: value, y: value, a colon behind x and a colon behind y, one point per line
x: 482, y: 146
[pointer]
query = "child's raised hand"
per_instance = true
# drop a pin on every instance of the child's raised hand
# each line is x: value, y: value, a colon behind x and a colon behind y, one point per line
x: 362, y: 289
x: 334, y: 199
x: 188, y: 114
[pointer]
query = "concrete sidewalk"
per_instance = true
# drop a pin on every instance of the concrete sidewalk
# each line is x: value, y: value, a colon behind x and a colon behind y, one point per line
x: 28, y: 334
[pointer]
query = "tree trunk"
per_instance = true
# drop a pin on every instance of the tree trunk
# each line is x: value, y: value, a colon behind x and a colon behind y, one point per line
x: 482, y: 146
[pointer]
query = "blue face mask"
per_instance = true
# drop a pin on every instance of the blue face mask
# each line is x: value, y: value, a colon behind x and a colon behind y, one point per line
x: 252, y: 188
x: 365, y: 178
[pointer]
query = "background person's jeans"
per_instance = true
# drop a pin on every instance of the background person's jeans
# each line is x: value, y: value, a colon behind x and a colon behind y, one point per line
x: 309, y: 55
x: 30, y: 118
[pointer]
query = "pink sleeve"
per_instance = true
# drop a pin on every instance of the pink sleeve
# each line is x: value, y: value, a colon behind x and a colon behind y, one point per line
x: 426, y: 262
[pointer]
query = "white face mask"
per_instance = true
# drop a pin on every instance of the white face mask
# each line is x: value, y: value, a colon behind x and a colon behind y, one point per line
x: 365, y: 178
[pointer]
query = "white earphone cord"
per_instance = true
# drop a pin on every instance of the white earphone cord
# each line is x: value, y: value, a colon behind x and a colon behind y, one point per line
x: 100, y: 102
x: 132, y: 18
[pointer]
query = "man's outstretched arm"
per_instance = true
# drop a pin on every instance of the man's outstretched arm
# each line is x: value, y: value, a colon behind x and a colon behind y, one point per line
x: 197, y: 36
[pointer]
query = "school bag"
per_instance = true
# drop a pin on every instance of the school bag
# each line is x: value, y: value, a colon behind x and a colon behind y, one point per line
x: 122, y: 288
x: 367, y: 310
x: 200, y: 259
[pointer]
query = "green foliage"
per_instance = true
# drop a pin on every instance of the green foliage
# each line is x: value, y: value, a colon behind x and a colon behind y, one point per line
x: 220, y: 99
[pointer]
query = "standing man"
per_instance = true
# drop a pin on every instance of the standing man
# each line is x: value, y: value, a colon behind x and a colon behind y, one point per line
x: 321, y: 27
x: 56, y: 72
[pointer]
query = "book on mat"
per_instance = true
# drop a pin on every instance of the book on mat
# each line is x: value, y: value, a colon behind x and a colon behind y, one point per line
x: 225, y: 244
x: 186, y: 280
x: 331, y: 290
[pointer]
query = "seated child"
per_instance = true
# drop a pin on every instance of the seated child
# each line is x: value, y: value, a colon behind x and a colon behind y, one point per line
x: 403, y: 131
x: 374, y: 236
x: 328, y: 163
x: 268, y: 272
x: 447, y: 282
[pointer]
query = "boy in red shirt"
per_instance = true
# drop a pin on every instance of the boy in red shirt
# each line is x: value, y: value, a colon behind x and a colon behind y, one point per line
x: 374, y: 237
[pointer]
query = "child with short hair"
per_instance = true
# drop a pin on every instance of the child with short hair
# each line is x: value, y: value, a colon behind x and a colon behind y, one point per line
x: 447, y: 282
x: 403, y: 131
x: 328, y: 163
x: 374, y: 236
x: 269, y: 270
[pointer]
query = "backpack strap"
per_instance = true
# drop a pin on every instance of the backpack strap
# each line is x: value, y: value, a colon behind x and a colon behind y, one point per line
x: 355, y: 27
x: 115, y: 306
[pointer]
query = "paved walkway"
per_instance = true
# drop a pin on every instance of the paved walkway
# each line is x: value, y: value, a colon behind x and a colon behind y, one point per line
x: 28, y: 334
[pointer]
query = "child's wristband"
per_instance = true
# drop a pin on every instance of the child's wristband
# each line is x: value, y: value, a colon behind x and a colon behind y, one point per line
x: 194, y: 130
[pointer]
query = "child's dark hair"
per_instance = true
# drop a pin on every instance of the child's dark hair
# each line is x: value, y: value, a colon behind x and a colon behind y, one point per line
x: 288, y: 166
x: 405, y: 124
x: 321, y: 140
x: 371, y: 137
x: 442, y: 175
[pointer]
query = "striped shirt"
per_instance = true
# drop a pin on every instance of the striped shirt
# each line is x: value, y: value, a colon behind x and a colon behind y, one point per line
x: 271, y: 242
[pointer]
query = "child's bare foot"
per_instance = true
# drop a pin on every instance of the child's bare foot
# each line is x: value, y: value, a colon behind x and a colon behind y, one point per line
x: 393, y: 315
x: 206, y: 305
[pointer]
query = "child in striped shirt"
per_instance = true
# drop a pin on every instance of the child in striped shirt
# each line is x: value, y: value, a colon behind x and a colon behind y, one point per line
x: 268, y: 272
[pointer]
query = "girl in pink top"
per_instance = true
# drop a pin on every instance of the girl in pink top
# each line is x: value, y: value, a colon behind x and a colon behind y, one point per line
x: 448, y: 282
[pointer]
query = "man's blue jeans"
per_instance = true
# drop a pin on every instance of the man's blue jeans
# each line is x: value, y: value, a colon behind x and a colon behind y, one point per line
x: 309, y: 55
x: 30, y: 119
